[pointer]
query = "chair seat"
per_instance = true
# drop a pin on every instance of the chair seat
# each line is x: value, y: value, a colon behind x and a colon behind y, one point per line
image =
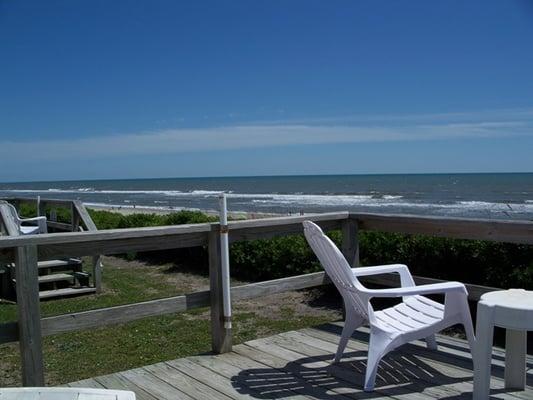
x: 29, y: 230
x: 416, y: 312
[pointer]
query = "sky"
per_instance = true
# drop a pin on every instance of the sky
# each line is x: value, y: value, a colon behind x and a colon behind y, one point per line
x: 139, y: 89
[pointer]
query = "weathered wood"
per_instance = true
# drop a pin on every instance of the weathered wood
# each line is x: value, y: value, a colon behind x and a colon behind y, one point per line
x: 130, y: 312
x: 41, y: 207
x: 509, y: 231
x: 60, y: 226
x: 107, y: 242
x: 83, y: 239
x: 65, y: 292
x: 350, y: 242
x: 31, y: 200
x: 73, y: 244
x: 275, y: 286
x: 190, y: 385
x: 97, y: 273
x: 281, y: 226
x: 221, y: 337
x: 29, y: 317
x: 296, y: 365
x: 125, y: 313
x: 75, y: 218
x: 83, y: 215
x: 120, y: 382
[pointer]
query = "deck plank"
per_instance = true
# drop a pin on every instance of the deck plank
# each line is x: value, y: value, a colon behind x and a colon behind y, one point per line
x: 193, y: 387
x: 155, y: 386
x: 87, y: 383
x: 119, y: 382
x: 404, y: 372
x: 204, y: 375
x: 347, y: 380
x: 446, y: 361
x: 231, y: 366
x: 296, y: 365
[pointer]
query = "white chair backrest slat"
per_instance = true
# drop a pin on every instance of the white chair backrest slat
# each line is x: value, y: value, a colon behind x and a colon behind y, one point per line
x: 337, y: 268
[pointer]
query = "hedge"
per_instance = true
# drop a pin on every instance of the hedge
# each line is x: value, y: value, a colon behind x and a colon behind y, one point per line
x: 473, y: 261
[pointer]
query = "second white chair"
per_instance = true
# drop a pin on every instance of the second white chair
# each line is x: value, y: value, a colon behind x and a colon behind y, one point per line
x: 37, y: 224
x: 416, y: 317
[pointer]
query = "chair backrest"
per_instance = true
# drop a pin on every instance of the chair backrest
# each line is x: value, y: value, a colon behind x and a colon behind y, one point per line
x: 14, y: 213
x: 336, y: 267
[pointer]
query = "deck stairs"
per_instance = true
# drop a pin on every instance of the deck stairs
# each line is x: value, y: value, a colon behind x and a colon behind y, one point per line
x: 57, y: 278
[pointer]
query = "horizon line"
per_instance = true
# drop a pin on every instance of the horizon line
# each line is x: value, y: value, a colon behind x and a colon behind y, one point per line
x: 271, y: 176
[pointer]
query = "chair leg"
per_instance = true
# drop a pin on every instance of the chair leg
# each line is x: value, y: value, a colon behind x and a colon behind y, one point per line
x: 431, y: 342
x: 467, y: 322
x: 351, y: 323
x: 469, y: 330
x: 378, y: 345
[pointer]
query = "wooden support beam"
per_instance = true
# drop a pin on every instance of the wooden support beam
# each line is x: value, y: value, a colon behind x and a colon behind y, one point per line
x: 97, y: 273
x: 29, y: 316
x: 221, y: 338
x: 41, y: 208
x: 74, y: 218
x: 350, y: 242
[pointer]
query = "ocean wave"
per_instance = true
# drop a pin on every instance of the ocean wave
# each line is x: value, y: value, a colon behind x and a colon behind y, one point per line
x: 141, y: 207
x: 374, y: 200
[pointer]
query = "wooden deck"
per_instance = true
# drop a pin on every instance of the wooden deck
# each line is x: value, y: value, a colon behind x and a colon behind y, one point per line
x: 296, y: 365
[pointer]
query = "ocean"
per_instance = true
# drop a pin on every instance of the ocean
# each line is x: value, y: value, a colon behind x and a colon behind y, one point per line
x: 496, y: 196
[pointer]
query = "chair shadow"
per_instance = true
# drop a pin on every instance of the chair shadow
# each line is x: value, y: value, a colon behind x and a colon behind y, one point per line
x: 408, y: 370
x: 398, y: 373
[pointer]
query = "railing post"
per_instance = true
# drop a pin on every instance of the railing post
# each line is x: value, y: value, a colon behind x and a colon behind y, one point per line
x: 350, y: 242
x: 74, y: 218
x: 41, y: 208
x: 221, y: 338
x: 97, y: 273
x: 29, y: 316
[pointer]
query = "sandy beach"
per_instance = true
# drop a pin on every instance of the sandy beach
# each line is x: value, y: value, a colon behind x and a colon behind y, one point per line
x: 133, y: 209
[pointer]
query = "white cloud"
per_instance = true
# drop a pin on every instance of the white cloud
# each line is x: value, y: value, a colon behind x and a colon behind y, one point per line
x: 266, y: 135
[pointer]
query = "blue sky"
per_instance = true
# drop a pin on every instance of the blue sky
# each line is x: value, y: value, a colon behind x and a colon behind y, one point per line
x: 100, y: 89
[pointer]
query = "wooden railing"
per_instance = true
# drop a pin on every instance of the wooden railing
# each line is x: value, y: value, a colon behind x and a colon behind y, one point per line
x: 25, y: 250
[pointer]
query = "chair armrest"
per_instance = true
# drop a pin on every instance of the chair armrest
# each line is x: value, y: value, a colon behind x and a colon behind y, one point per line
x: 405, y: 276
x: 435, y: 288
x: 34, y: 219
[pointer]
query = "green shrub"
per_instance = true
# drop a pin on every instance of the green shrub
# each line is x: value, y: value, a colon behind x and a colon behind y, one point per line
x: 472, y: 261
x: 63, y: 214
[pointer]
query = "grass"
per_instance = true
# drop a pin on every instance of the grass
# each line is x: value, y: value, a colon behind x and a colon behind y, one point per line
x: 78, y: 355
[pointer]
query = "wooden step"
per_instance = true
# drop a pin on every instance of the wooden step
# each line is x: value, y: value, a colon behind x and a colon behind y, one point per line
x: 56, y: 263
x: 53, y: 278
x: 48, y: 294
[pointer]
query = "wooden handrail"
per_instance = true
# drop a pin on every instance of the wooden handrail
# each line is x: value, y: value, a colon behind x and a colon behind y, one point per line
x: 509, y: 231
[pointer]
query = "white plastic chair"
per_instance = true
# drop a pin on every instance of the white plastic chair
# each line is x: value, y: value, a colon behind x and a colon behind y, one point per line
x: 416, y: 317
x: 28, y: 229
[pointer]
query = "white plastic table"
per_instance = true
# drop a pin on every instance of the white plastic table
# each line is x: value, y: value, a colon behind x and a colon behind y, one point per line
x: 511, y: 309
x: 64, y: 393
